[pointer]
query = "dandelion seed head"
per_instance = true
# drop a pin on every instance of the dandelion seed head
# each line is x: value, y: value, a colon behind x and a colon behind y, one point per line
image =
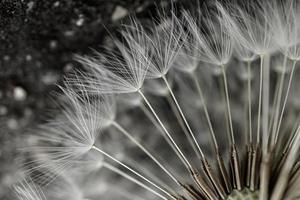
x: 174, y: 130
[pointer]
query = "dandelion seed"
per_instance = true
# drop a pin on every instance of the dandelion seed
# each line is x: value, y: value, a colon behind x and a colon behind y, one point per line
x: 165, y: 43
x: 73, y: 132
x: 111, y: 73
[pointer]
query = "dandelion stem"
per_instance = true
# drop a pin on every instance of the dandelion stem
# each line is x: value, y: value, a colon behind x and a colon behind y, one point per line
x: 292, y: 136
x: 157, y: 125
x: 249, y: 102
x: 139, y: 166
x: 222, y: 93
x: 249, y: 147
x: 199, y: 89
x: 278, y: 102
x: 181, y: 123
x: 235, y: 163
x: 265, y: 101
x: 130, y: 178
x: 259, y: 100
x: 128, y: 135
x: 268, y: 153
x: 183, y: 117
x: 228, y: 104
x: 186, y: 162
x: 135, y: 172
x: 274, y: 104
x: 285, y: 100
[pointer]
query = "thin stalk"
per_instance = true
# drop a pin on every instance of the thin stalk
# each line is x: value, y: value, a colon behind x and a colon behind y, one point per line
x: 274, y: 104
x: 245, y: 129
x: 149, y: 174
x: 277, y: 107
x: 293, y: 135
x: 130, y: 178
x: 267, y: 151
x: 249, y: 103
x: 212, y: 133
x: 248, y: 131
x: 183, y: 117
x: 228, y: 104
x: 265, y: 101
x: 285, y: 100
x: 259, y: 100
x: 135, y: 172
x: 181, y: 123
x: 222, y: 93
x: 156, y: 124
x: 196, y: 177
x: 199, y: 89
x: 215, y: 143
x: 128, y: 135
x: 186, y: 162
x: 234, y: 162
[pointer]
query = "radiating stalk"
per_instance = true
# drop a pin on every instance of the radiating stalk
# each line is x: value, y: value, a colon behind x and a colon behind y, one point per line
x: 267, y: 151
x: 232, y: 140
x: 250, y: 151
x: 212, y: 177
x: 186, y: 162
x: 249, y: 103
x: 183, y: 117
x: 130, y: 178
x: 235, y: 162
x: 136, y: 173
x: 274, y: 104
x: 212, y: 133
x: 222, y: 93
x: 220, y: 161
x: 277, y: 107
x: 157, y: 125
x: 149, y: 174
x: 181, y: 123
x: 258, y: 136
x: 265, y: 99
x: 188, y: 166
x: 285, y: 100
x: 128, y: 135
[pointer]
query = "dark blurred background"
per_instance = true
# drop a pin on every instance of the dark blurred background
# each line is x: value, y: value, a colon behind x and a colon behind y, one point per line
x: 38, y: 39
